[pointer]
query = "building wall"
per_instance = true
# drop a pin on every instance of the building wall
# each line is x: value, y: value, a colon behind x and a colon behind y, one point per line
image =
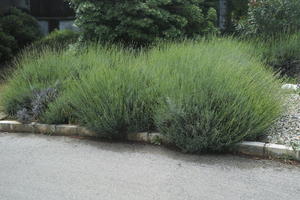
x: 50, y: 8
x: 52, y: 14
x: 23, y: 4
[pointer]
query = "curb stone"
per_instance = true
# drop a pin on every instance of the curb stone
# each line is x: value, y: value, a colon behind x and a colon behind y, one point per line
x: 282, y: 151
x: 267, y: 150
x: 61, y: 130
x: 248, y: 148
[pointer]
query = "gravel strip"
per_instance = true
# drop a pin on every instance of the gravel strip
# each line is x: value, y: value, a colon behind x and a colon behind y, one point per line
x: 287, y: 129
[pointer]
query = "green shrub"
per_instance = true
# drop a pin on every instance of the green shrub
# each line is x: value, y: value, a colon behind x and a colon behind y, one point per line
x: 204, y: 95
x: 237, y: 10
x: 60, y: 111
x: 283, y: 54
x: 276, y: 25
x: 113, y: 97
x: 17, y: 30
x: 215, y: 94
x: 36, y: 70
x: 58, y: 39
x: 270, y: 17
x: 7, y: 46
x: 142, y: 22
x: 116, y: 97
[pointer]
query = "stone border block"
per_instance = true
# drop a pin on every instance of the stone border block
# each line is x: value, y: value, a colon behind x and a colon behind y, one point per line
x: 298, y: 155
x: 82, y: 131
x: 138, y: 137
x: 67, y: 130
x: 251, y: 148
x: 4, y: 126
x: 22, y: 128
x: 157, y: 138
x: 7, y: 126
x: 267, y: 150
x: 281, y: 151
x: 44, y: 128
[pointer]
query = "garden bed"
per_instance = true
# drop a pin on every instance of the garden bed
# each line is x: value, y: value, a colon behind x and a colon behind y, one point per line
x: 202, y: 95
x: 281, y: 140
x: 286, y: 130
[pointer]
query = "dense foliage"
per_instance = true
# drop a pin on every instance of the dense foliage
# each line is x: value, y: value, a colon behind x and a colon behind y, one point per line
x: 273, y: 26
x: 237, y: 10
x: 8, y: 46
x: 283, y: 54
x: 58, y: 39
x: 270, y: 17
x: 215, y: 94
x: 203, y: 95
x: 17, y: 29
x: 140, y: 22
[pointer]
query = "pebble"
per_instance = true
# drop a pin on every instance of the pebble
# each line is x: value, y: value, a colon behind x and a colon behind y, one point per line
x: 286, y: 129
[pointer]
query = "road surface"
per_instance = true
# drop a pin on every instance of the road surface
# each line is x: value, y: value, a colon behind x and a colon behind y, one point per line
x: 35, y: 167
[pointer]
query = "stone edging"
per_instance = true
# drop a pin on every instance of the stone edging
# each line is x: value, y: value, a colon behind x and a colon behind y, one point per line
x: 72, y: 130
x: 248, y: 148
x: 268, y: 150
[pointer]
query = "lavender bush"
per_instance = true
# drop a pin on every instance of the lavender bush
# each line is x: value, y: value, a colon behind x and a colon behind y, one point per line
x: 39, y: 102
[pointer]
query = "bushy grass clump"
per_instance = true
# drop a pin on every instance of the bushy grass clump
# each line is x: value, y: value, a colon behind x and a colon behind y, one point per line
x: 203, y: 96
x: 2, y: 87
x: 283, y: 54
x: 36, y: 71
x: 215, y: 94
x: 58, y: 39
x: 113, y: 97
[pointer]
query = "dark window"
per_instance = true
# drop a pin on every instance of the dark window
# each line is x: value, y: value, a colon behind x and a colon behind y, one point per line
x: 50, y: 8
x: 53, y: 24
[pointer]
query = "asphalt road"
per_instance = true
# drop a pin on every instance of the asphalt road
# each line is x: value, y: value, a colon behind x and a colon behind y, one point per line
x: 34, y: 167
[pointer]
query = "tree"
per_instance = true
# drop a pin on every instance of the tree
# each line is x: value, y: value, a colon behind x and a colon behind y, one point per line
x: 17, y: 29
x: 141, y: 22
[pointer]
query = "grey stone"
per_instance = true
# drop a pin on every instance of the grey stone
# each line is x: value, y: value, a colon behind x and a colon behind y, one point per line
x: 251, y: 148
x: 8, y: 126
x: 138, y: 137
x: 44, y: 128
x: 67, y: 130
x: 82, y: 131
x: 281, y: 151
x: 22, y: 128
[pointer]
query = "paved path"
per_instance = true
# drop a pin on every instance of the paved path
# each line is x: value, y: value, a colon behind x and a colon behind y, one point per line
x: 34, y: 167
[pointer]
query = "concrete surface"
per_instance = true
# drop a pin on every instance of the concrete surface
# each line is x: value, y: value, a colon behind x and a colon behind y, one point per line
x: 60, y: 168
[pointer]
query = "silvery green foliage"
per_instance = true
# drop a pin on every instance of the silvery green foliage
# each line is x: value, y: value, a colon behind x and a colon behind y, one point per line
x: 24, y: 115
x: 39, y: 102
x: 270, y: 17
